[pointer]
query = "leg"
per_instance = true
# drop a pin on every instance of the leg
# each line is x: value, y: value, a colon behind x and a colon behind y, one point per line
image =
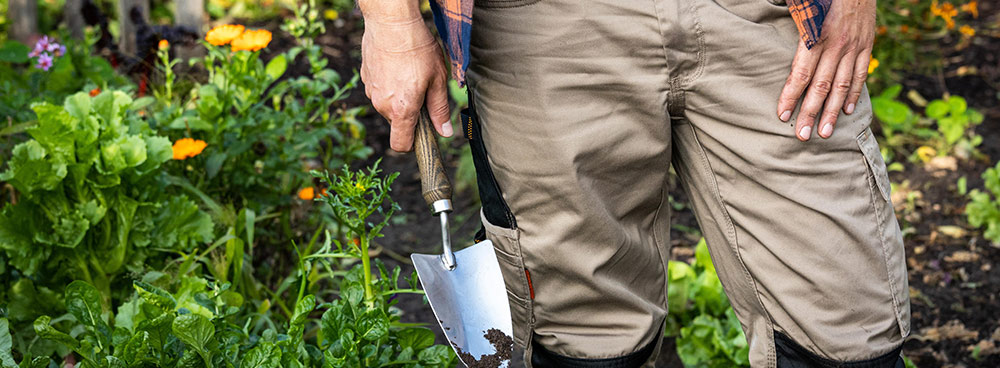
x: 570, y: 97
x: 803, y: 234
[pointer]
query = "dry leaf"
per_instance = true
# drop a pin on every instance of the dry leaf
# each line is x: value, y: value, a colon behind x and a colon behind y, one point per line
x: 942, y: 163
x: 952, y: 231
x: 962, y: 256
x: 954, y: 329
x: 986, y: 347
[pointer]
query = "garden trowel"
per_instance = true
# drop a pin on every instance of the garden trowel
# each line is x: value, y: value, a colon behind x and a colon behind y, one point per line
x: 465, y: 288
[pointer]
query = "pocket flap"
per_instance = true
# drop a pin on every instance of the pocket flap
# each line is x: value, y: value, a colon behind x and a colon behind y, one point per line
x: 869, y: 147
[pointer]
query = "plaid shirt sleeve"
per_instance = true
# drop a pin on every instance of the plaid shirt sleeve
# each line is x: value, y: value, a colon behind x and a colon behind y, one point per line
x: 453, y: 19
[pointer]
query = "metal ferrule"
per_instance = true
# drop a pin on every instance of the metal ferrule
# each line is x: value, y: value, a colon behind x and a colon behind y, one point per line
x: 441, y: 205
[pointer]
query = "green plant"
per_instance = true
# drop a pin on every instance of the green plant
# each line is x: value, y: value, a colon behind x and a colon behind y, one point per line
x: 91, y: 203
x: 983, y: 209
x: 946, y: 130
x: 188, y: 320
x: 707, y: 330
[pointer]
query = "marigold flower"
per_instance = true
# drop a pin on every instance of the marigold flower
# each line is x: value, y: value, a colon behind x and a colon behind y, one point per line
x: 926, y: 153
x: 881, y: 30
x: 164, y: 44
x: 972, y: 8
x: 252, y: 40
x: 331, y: 14
x: 872, y: 64
x: 307, y: 193
x: 966, y: 30
x: 94, y: 92
x: 221, y: 35
x: 185, y: 148
x: 904, y: 28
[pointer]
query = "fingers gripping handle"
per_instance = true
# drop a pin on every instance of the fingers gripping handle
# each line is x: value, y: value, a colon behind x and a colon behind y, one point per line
x: 433, y: 180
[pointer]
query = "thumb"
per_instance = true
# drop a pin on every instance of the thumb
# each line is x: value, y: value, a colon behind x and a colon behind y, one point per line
x: 437, y: 106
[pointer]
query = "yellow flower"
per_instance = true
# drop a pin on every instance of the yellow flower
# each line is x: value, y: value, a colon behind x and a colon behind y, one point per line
x: 331, y: 14
x: 221, y: 35
x: 966, y: 30
x: 946, y: 11
x: 164, y: 44
x: 252, y: 40
x: 307, y: 193
x: 359, y: 186
x: 186, y: 148
x: 926, y: 153
x: 972, y: 8
x: 872, y: 64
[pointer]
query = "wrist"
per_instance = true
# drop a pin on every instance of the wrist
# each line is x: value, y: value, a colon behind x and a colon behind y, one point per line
x: 399, y: 36
x: 390, y: 11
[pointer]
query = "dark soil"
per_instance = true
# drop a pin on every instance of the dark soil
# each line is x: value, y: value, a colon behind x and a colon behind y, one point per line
x: 503, y: 343
x: 954, y: 283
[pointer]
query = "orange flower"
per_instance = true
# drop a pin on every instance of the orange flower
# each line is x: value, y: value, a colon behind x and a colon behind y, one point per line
x: 186, y: 148
x: 95, y: 91
x: 221, y: 35
x: 904, y: 28
x: 307, y: 193
x: 966, y: 30
x: 972, y: 8
x: 872, y: 64
x: 946, y: 11
x: 164, y: 44
x: 882, y: 30
x: 252, y: 40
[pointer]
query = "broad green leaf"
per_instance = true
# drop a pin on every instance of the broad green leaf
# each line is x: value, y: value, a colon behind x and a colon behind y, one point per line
x: 276, y: 67
x: 155, y: 296
x: 417, y: 338
x: 14, y: 52
x: 46, y: 331
x: 937, y: 109
x: 373, y: 325
x: 180, y: 222
x: 891, y: 112
x: 957, y: 105
x: 78, y: 105
x: 36, y: 362
x: 128, y: 315
x: 189, y: 122
x: 6, y: 344
x: 702, y: 256
x: 264, y: 355
x: 55, y: 130
x: 141, y: 103
x: 214, y: 163
x: 892, y: 92
x: 83, y: 301
x: 158, y: 150
x: 194, y: 330
x: 33, y: 168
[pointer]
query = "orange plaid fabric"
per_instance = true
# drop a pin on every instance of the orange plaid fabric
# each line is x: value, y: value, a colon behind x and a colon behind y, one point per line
x: 453, y: 19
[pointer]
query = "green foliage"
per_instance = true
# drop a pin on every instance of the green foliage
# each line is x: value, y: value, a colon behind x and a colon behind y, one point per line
x: 91, y: 203
x: 21, y: 84
x: 947, y: 128
x: 983, y: 209
x: 188, y: 320
x: 707, y: 330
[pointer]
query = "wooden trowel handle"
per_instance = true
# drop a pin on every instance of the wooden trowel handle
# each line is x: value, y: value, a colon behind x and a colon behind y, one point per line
x: 433, y: 180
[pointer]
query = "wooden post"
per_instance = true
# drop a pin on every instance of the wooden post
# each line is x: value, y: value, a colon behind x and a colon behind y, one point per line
x: 190, y: 14
x: 23, y: 15
x: 73, y: 16
x: 126, y: 43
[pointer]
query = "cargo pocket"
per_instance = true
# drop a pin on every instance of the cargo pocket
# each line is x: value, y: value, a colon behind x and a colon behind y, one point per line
x: 891, y: 237
x: 500, y: 226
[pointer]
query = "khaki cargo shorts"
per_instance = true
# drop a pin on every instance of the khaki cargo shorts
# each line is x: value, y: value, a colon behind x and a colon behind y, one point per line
x: 579, y: 107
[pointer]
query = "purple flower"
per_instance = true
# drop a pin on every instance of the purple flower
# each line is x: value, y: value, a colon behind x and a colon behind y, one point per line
x: 44, y: 62
x: 52, y: 47
x: 61, y: 51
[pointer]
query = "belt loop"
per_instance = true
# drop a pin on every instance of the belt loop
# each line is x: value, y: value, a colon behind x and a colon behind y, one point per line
x: 675, y: 100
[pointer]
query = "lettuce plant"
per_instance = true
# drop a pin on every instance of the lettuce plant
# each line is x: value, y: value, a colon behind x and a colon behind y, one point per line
x: 983, y: 210
x: 90, y: 202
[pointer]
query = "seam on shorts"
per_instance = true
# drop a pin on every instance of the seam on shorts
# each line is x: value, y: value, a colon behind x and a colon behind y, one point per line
x: 731, y: 229
x: 700, y: 35
x: 656, y: 243
x: 872, y: 182
x: 503, y: 4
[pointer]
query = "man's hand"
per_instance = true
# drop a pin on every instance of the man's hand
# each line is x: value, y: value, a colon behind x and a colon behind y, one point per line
x: 834, y: 70
x: 403, y: 68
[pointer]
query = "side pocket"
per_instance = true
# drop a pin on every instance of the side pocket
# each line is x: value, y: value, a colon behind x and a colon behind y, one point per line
x: 494, y: 207
x: 869, y: 147
x: 507, y: 246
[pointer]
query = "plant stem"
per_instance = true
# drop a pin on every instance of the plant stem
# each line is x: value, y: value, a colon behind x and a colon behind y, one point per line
x: 367, y: 265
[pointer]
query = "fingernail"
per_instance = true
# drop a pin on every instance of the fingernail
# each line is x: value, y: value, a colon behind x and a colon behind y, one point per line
x: 826, y: 131
x: 785, y: 115
x: 805, y: 132
x: 446, y: 129
x: 850, y: 108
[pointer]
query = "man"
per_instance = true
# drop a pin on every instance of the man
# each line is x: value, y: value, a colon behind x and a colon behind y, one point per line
x: 578, y: 107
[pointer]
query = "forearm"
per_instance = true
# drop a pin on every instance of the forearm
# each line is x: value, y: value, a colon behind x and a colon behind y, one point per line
x: 395, y: 25
x: 390, y: 11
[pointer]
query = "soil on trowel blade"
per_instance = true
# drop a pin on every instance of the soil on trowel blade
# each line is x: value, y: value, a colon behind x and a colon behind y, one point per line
x: 503, y: 343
